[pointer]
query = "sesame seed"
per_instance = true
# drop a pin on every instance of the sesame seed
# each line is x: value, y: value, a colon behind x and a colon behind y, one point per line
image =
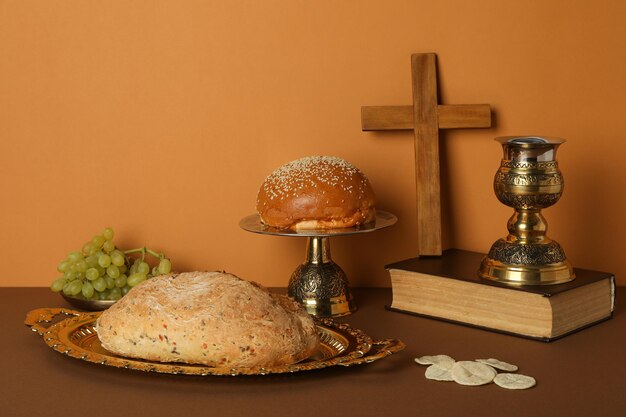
x: 309, y: 172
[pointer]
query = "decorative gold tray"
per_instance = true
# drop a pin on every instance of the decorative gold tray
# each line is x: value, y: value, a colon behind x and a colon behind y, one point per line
x: 74, y: 335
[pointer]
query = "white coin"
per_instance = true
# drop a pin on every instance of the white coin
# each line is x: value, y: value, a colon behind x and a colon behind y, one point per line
x: 438, y: 373
x: 435, y: 360
x: 472, y: 373
x: 495, y: 363
x: 514, y: 381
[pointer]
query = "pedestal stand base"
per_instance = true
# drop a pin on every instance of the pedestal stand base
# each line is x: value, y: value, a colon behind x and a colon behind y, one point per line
x: 526, y: 264
x: 322, y: 289
x: 513, y: 274
x: 319, y: 284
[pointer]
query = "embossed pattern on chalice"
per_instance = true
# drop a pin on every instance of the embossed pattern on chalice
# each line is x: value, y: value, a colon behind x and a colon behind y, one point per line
x: 528, y: 185
x: 322, y: 281
x: 532, y: 254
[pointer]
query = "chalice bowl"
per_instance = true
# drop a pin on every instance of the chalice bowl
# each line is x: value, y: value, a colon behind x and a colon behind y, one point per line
x: 528, y: 180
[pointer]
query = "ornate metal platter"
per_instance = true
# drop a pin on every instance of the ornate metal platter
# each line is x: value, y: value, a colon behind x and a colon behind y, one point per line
x: 74, y: 335
x: 252, y: 223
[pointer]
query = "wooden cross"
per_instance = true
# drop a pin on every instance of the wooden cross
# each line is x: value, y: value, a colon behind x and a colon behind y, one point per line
x: 425, y: 117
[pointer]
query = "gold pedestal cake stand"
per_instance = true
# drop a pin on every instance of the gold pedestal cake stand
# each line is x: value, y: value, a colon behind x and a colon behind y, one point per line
x: 319, y: 284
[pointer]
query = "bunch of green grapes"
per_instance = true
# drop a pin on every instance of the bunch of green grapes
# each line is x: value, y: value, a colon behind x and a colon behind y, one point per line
x: 101, y: 271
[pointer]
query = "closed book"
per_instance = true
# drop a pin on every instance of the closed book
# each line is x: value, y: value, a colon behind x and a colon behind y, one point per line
x: 448, y: 287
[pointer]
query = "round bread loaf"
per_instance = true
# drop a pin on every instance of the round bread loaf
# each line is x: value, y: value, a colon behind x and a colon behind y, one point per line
x: 316, y: 192
x: 210, y: 318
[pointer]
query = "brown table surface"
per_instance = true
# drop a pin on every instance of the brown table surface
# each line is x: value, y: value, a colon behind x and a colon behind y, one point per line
x: 583, y: 374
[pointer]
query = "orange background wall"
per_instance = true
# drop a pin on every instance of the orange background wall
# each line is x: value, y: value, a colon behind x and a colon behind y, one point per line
x: 161, y: 119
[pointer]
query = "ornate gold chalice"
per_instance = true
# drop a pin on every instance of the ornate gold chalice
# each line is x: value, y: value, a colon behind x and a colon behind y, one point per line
x: 528, y: 180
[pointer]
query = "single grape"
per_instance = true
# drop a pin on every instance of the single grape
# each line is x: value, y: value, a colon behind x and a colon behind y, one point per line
x: 123, y: 269
x: 75, y: 287
x: 121, y: 281
x: 165, y: 266
x: 125, y: 290
x: 98, y: 241
x: 88, y: 248
x: 117, y: 258
x: 92, y: 260
x: 113, y: 271
x: 155, y: 271
x: 143, y: 268
x: 81, y: 266
x: 64, y: 266
x: 103, y: 295
x: 135, y: 279
x: 108, y: 246
x: 101, y: 271
x: 104, y: 261
x: 58, y: 284
x: 110, y: 282
x: 74, y: 257
x: 107, y: 233
x: 115, y: 294
x: 70, y: 275
x: 87, y: 289
x: 100, y: 284
x: 66, y: 288
x: 92, y: 274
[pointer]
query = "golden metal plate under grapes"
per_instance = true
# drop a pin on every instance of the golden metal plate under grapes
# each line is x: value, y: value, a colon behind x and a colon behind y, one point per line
x: 74, y: 335
x: 91, y: 305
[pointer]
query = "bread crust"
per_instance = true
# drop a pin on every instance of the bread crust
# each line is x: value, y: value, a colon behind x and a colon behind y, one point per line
x: 317, y: 192
x: 209, y: 318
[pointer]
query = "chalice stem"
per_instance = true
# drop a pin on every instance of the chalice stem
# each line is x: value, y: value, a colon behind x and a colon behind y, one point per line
x: 527, y: 227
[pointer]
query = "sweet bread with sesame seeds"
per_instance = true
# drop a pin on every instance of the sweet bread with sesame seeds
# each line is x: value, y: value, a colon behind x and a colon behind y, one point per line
x: 209, y: 318
x: 316, y: 192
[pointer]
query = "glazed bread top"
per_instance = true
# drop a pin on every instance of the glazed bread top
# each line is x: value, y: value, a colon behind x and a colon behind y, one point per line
x: 316, y: 192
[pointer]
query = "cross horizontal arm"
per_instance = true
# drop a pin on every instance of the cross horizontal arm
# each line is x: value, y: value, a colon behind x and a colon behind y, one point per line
x: 451, y: 116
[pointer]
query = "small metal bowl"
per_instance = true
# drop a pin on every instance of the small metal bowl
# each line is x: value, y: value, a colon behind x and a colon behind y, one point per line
x: 89, y: 305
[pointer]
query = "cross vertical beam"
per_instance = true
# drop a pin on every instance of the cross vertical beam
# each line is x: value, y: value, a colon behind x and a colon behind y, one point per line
x: 426, y: 128
x: 425, y: 117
